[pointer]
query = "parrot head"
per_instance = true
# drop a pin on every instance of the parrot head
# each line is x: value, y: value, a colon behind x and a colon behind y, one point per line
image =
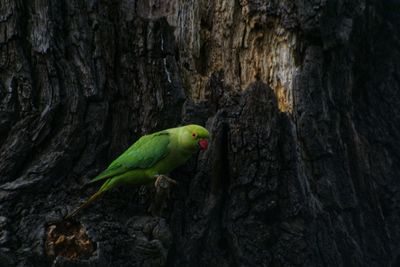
x: 195, y: 137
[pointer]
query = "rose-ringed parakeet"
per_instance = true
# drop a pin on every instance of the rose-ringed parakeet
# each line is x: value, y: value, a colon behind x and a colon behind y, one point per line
x: 152, y: 155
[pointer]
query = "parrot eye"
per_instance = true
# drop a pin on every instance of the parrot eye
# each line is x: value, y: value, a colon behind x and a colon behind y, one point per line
x: 194, y: 134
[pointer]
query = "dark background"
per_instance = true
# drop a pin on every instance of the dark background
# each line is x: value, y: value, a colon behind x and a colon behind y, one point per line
x: 301, y: 98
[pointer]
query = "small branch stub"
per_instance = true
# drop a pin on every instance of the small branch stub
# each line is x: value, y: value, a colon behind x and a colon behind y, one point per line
x: 163, y: 185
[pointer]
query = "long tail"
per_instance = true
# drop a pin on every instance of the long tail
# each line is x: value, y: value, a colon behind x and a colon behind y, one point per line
x: 85, y: 204
x: 107, y: 185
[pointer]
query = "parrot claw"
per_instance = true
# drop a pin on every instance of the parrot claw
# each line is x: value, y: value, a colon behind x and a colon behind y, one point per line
x: 163, y: 181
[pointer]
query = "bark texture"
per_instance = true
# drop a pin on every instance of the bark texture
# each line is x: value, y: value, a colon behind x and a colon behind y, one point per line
x: 301, y: 99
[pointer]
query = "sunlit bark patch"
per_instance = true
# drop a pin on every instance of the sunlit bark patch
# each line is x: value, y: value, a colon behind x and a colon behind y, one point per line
x: 241, y: 39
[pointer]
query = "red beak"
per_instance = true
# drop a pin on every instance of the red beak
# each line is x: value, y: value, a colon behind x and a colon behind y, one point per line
x: 203, y: 143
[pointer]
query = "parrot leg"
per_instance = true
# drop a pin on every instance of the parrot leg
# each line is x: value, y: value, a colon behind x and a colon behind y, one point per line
x: 163, y: 188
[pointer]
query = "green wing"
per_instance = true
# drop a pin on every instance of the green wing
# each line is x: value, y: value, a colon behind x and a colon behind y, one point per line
x: 143, y: 154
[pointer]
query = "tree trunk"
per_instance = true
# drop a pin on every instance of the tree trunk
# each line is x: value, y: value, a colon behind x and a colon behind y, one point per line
x: 301, y: 99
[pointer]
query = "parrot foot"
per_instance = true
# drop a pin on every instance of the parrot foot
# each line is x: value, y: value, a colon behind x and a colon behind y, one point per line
x: 163, y: 181
x: 163, y: 186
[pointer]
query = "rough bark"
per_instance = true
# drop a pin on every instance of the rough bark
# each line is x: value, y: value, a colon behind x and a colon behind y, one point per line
x: 301, y: 99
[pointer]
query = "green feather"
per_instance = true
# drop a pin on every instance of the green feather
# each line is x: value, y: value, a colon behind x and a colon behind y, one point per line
x: 157, y: 153
x: 143, y: 154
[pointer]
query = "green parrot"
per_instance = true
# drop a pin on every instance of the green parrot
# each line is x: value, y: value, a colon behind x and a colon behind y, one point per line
x: 150, y: 156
